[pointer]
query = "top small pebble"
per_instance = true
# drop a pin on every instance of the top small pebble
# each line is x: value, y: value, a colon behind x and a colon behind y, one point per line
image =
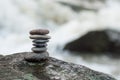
x: 39, y: 32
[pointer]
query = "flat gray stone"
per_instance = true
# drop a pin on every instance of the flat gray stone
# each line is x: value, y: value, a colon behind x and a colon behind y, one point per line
x: 40, y: 45
x: 40, y: 41
x: 37, y: 50
x: 35, y: 57
x: 39, y: 32
x: 40, y: 37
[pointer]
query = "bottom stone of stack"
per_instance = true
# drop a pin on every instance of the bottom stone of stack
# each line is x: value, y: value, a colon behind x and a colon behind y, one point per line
x: 35, y: 57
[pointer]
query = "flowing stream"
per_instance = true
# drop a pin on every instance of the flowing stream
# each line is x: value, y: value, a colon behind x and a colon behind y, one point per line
x: 18, y: 17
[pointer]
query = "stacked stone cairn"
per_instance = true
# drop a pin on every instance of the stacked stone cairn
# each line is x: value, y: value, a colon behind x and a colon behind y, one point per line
x: 40, y: 38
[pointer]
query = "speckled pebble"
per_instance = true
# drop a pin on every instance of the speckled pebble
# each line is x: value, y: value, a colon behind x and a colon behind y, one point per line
x: 39, y: 32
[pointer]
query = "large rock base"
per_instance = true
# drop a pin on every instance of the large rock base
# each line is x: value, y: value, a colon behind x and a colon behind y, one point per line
x: 14, y: 67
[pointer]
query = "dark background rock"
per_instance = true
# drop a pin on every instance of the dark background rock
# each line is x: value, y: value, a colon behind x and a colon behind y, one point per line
x: 104, y: 41
x: 13, y: 67
x: 78, y: 5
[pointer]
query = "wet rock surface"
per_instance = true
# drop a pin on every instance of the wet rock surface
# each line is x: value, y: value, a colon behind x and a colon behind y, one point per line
x: 14, y: 67
x: 105, y: 41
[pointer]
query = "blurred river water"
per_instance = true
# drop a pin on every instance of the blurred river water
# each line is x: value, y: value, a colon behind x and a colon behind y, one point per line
x: 67, y: 20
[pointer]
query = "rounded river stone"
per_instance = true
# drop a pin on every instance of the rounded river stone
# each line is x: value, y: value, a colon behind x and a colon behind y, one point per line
x: 40, y: 37
x: 40, y: 45
x: 38, y: 50
x: 40, y: 41
x: 33, y: 57
x: 39, y: 32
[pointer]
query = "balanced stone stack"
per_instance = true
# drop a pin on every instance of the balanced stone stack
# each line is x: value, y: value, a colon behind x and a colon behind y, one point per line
x: 40, y: 38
